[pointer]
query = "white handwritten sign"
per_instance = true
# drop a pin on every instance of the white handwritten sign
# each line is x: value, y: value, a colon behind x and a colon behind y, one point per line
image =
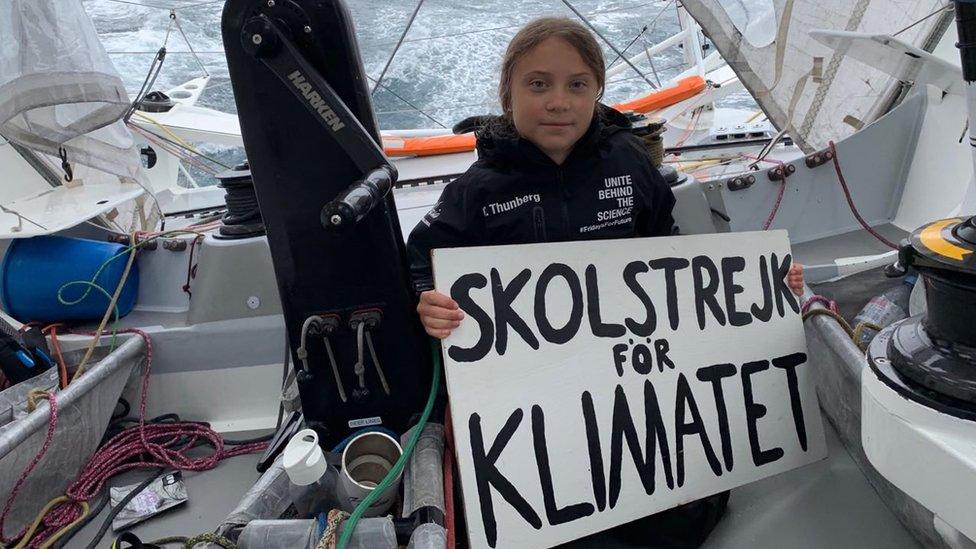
x: 594, y: 383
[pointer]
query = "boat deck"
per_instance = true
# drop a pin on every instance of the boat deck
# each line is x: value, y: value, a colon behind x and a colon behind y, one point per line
x: 826, y: 504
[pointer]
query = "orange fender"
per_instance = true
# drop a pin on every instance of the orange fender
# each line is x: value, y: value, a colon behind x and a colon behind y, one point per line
x: 685, y: 88
x: 449, y: 144
x: 428, y: 146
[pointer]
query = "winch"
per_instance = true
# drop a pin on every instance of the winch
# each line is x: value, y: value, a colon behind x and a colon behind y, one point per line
x: 931, y: 358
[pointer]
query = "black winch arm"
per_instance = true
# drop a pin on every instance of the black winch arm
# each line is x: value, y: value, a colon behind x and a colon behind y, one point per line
x: 310, y: 133
x: 263, y: 38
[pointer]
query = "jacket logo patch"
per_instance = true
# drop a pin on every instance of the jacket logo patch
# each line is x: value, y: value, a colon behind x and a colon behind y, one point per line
x: 433, y: 214
x: 495, y: 208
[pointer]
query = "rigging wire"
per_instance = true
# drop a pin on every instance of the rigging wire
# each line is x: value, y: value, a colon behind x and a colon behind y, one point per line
x: 514, y: 26
x: 639, y: 34
x: 401, y: 98
x: 604, y: 38
x: 944, y: 9
x: 396, y: 48
x: 179, y: 27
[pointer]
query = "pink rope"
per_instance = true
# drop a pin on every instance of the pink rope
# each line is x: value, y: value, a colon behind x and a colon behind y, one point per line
x: 138, y: 447
x: 850, y: 201
x: 828, y: 303
x: 782, y: 189
x: 52, y: 424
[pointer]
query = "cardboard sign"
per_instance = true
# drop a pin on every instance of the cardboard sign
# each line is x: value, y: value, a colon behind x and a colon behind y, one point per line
x: 594, y: 383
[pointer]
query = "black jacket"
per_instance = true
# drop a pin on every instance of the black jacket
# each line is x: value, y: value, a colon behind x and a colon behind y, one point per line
x: 515, y: 194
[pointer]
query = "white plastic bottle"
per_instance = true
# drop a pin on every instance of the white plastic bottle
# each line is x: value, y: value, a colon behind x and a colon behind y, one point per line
x: 313, y: 481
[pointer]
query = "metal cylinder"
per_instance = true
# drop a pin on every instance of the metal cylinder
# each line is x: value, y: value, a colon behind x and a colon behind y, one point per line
x: 966, y: 29
x: 365, y: 462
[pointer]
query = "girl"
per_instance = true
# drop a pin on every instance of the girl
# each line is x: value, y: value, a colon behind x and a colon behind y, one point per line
x: 540, y: 167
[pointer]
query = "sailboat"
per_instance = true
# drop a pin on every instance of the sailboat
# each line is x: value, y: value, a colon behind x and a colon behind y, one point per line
x: 869, y: 145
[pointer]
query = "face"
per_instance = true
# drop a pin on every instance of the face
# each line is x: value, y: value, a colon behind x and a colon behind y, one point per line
x: 553, y: 96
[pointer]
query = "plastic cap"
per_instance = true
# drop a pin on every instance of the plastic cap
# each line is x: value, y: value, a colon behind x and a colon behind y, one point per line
x: 303, y: 460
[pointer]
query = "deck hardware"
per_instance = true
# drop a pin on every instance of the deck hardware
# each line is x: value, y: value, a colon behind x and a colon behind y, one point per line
x: 780, y: 173
x: 819, y: 158
x: 740, y: 182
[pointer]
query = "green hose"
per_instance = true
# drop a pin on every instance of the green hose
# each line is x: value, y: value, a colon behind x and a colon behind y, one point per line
x: 350, y: 526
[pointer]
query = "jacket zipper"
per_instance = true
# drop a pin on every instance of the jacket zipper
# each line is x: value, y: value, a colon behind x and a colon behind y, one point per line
x: 539, y: 220
x: 564, y: 203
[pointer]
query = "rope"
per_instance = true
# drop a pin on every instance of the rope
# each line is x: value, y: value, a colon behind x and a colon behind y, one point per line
x: 779, y: 200
x: 828, y: 303
x: 154, y: 69
x: 782, y: 189
x: 108, y: 312
x: 850, y: 201
x: 170, y: 539
x: 138, y: 447
x: 827, y: 312
x: 831, y: 310
x: 449, y: 478
x: 52, y: 332
x: 107, y: 523
x: 52, y: 424
x: 328, y: 539
x: 191, y: 267
x: 216, y: 539
x: 177, y: 141
x: 859, y: 333
x: 174, y: 149
x: 153, y: 445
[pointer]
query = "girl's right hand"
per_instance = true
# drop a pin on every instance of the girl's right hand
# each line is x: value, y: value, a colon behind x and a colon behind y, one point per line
x: 439, y: 314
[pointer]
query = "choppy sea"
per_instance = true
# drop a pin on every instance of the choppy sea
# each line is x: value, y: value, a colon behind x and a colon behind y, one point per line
x: 445, y: 70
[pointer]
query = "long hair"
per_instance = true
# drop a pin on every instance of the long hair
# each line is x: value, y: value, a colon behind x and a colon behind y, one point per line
x: 530, y: 36
x: 539, y: 30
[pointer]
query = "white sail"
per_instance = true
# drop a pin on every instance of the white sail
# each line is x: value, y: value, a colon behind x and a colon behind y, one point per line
x: 813, y: 92
x: 59, y: 89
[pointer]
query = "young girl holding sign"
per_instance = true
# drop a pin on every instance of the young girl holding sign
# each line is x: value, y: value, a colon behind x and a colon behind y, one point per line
x: 552, y: 168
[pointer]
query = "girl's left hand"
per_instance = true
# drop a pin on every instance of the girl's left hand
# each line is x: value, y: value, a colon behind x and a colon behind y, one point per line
x: 794, y: 278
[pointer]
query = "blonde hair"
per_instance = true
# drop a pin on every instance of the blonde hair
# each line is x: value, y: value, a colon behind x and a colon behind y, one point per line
x: 539, y: 30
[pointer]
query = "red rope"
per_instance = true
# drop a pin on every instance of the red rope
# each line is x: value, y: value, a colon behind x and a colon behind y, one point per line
x: 191, y: 268
x: 782, y: 189
x: 449, y: 479
x: 52, y: 331
x: 850, y: 201
x: 779, y: 200
x: 52, y: 424
x: 828, y: 303
x: 138, y: 447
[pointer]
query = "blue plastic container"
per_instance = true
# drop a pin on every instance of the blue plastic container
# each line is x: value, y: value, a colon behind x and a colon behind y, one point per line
x: 34, y: 269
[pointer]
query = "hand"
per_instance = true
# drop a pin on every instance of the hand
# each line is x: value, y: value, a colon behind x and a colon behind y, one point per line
x: 794, y: 278
x: 439, y: 314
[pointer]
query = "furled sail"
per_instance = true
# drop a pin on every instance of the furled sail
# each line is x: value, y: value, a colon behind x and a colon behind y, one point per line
x: 813, y: 92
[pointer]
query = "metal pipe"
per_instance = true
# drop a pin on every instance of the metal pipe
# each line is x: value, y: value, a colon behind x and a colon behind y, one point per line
x: 692, y: 46
x: 653, y: 50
